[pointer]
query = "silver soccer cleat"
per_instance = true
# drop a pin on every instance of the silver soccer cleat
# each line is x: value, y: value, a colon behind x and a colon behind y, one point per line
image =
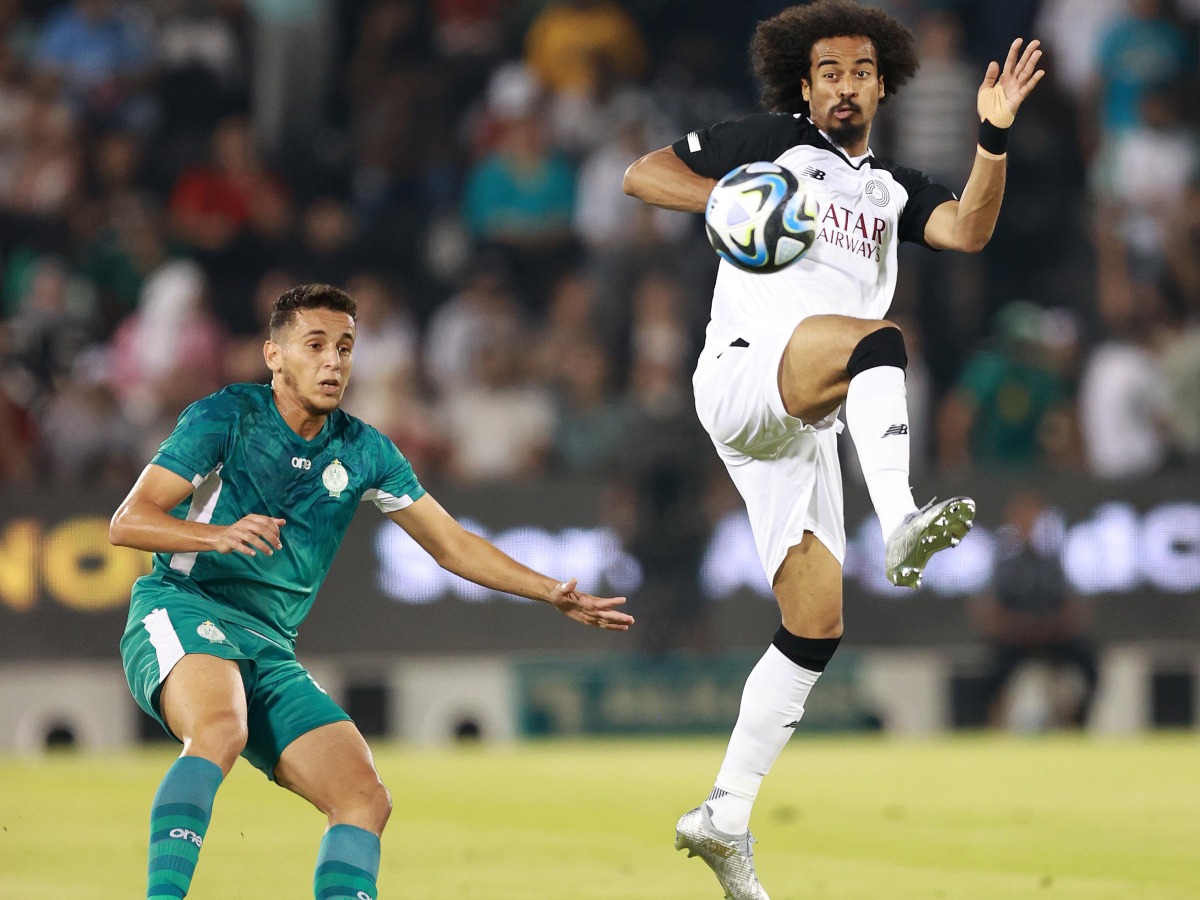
x: 935, y: 526
x: 729, y: 856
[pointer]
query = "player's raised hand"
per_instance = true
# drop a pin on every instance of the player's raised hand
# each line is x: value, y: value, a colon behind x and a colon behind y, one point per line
x: 599, y: 612
x: 250, y: 534
x: 1004, y: 90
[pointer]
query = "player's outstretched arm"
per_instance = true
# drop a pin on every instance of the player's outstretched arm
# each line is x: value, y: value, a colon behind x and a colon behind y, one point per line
x: 967, y: 224
x: 661, y: 178
x: 143, y: 521
x: 471, y: 557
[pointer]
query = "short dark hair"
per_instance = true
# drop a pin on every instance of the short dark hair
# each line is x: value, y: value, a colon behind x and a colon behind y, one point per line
x: 309, y: 296
x: 782, y: 48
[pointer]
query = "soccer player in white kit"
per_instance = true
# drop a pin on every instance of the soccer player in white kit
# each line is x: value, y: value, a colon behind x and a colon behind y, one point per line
x: 785, y: 351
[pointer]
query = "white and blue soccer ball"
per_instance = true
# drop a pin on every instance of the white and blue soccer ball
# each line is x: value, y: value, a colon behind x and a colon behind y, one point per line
x: 758, y: 219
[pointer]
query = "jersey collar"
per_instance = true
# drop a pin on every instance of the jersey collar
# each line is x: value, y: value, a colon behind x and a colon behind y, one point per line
x: 856, y: 162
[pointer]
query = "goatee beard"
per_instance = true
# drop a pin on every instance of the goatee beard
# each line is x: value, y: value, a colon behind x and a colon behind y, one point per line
x: 846, y: 133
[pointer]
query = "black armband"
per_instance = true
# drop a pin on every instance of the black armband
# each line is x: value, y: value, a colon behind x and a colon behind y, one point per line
x: 992, y: 138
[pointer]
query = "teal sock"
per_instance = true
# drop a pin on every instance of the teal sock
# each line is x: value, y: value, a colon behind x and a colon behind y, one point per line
x: 347, y: 865
x: 178, y: 822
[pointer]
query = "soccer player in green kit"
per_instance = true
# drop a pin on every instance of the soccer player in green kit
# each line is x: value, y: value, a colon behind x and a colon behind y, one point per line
x: 244, y: 507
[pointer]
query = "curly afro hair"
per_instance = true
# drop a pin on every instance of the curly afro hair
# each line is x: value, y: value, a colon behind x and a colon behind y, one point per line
x: 782, y: 48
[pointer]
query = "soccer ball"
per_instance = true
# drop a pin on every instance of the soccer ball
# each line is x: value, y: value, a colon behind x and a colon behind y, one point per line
x: 757, y: 218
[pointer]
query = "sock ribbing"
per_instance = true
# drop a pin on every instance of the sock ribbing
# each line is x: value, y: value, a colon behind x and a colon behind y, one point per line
x: 178, y: 823
x: 347, y: 865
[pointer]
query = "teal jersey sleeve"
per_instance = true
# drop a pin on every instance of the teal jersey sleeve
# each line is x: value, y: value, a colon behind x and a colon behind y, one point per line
x: 396, y: 484
x: 200, y: 440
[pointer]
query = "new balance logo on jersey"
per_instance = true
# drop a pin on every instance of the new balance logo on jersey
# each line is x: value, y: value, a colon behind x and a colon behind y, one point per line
x: 795, y: 724
x: 896, y: 429
x: 811, y: 172
x: 187, y: 834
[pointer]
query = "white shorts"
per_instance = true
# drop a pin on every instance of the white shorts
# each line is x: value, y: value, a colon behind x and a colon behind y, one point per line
x: 786, y: 471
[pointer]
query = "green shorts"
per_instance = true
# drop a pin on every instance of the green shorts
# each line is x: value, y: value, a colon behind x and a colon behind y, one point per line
x: 282, y: 699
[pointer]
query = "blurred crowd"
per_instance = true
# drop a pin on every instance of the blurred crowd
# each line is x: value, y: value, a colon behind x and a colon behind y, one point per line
x: 168, y: 167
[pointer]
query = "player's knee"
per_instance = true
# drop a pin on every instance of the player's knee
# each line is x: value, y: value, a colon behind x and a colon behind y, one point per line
x: 882, y: 347
x: 371, y: 807
x: 221, y: 738
x: 808, y: 653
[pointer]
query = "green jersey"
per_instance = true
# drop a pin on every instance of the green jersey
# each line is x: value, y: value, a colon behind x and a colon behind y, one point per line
x: 243, y: 459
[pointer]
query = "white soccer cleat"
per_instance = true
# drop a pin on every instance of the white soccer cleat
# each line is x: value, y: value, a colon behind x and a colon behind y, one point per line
x: 935, y: 526
x: 729, y: 856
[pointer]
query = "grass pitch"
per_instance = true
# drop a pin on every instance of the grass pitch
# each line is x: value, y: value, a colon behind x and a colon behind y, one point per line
x: 976, y: 818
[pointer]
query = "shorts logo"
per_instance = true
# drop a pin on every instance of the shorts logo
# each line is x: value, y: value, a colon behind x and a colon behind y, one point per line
x: 877, y: 193
x: 210, y: 632
x: 335, y: 478
x: 895, y: 430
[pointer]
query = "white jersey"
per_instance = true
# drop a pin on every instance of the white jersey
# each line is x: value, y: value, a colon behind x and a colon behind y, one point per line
x: 865, y: 208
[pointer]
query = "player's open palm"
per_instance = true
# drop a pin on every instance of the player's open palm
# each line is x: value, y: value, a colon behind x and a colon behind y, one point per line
x: 600, y: 612
x: 250, y: 534
x: 1004, y: 90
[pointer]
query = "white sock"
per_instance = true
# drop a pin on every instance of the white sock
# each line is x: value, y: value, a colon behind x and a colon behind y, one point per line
x: 772, y: 704
x: 877, y: 415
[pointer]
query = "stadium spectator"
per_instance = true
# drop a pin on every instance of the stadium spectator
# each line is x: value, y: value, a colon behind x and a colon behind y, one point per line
x: 657, y: 496
x: 90, y: 441
x: 521, y: 198
x: 326, y: 250
x: 48, y: 326
x: 385, y: 350
x: 202, y: 71
x: 402, y: 111
x: 294, y: 45
x: 19, y: 449
x: 1183, y: 248
x: 243, y: 351
x: 213, y: 205
x: 500, y: 427
x: 1124, y: 402
x: 1141, y: 51
x: 607, y: 220
x: 98, y: 60
x: 460, y: 326
x: 933, y: 131
x: 936, y: 112
x: 1030, y: 612
x: 592, y: 421
x: 167, y: 353
x: 1005, y: 408
x: 120, y: 254
x: 572, y: 42
x: 1073, y: 31
x: 386, y: 390
x: 1181, y: 370
x: 1138, y: 202
x: 43, y: 167
x: 570, y: 319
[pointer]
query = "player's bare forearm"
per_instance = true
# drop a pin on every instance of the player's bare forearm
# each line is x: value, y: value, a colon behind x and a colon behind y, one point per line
x: 661, y: 178
x: 975, y: 214
x: 467, y: 555
x: 475, y: 559
x: 471, y: 557
x: 143, y: 526
x: 143, y: 521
